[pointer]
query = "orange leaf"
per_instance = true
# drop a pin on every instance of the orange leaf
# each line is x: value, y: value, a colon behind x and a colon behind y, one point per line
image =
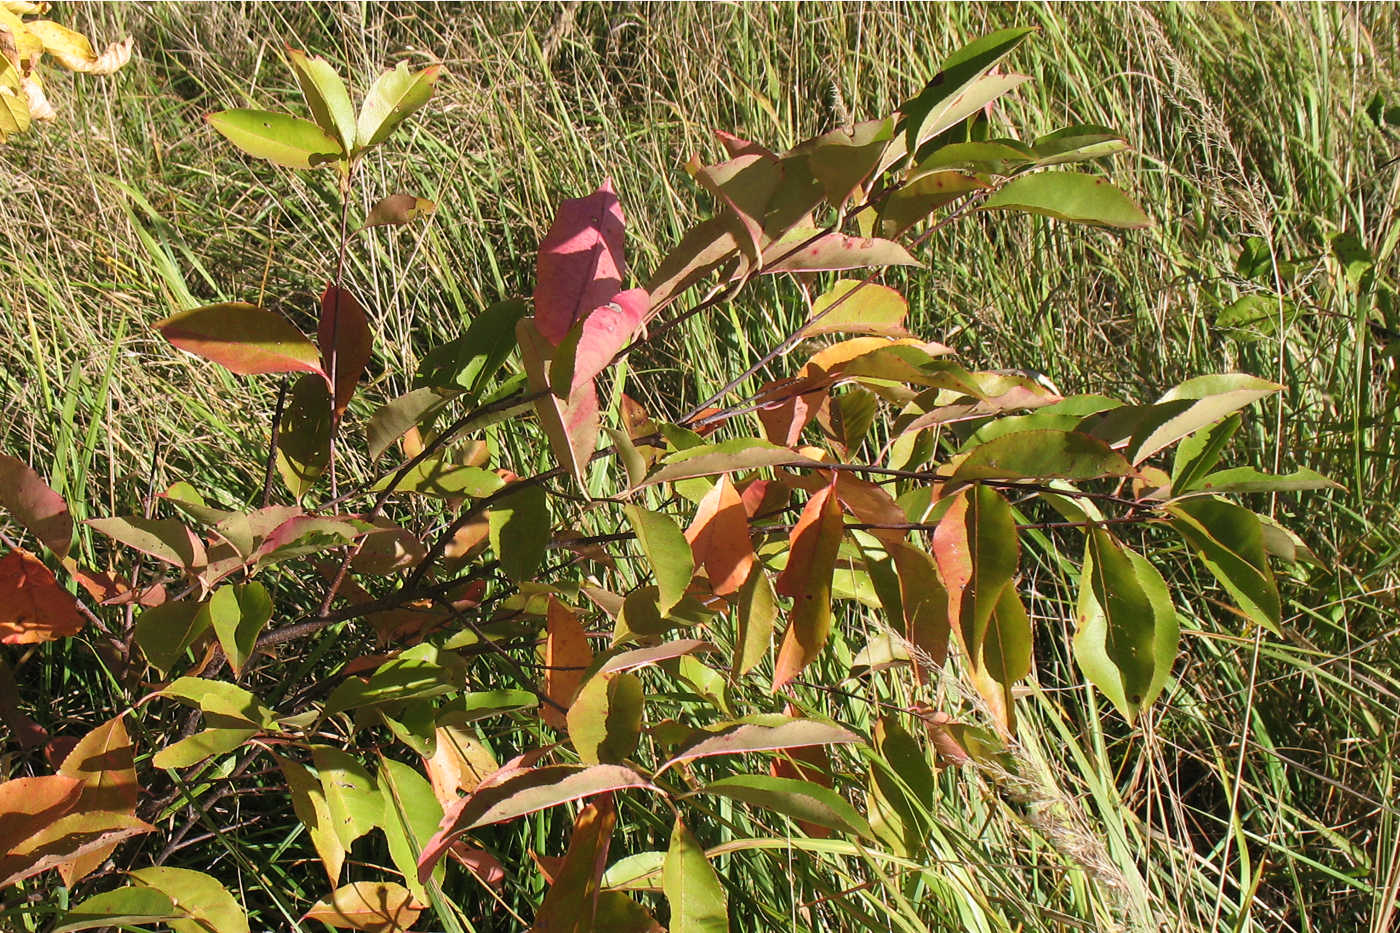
x: 33, y: 607
x: 807, y: 579
x: 719, y: 538
x: 104, y: 760
x: 566, y: 658
x: 27, y: 805
x: 572, y: 900
x: 372, y: 906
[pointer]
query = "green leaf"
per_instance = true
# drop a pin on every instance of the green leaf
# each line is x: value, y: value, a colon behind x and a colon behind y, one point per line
x: 352, y: 794
x: 699, y: 903
x: 519, y: 526
x: 994, y: 157
x: 1228, y: 540
x: 1248, y: 479
x: 1126, y: 636
x: 393, y: 419
x: 852, y: 306
x: 902, y: 789
x: 946, y: 99
x: 754, y: 737
x: 420, y: 672
x: 164, y: 632
x: 411, y: 816
x: 469, y: 361
x: 1077, y: 144
x: 1071, y: 196
x: 221, y: 699
x: 434, y: 477
x: 800, y: 800
x: 727, y: 457
x: 309, y: 803
x: 1200, y: 451
x: 392, y: 98
x: 243, y: 338
x: 121, y: 907
x: 605, y: 719
x: 977, y: 551
x: 277, y: 137
x: 755, y: 611
x: 1190, y: 406
x: 804, y: 249
x: 1005, y: 656
x: 162, y: 538
x: 326, y: 97
x: 205, y: 903
x: 843, y: 161
x: 238, y: 613
x: 910, y: 203
x: 206, y: 744
x: 1042, y: 454
x: 666, y: 549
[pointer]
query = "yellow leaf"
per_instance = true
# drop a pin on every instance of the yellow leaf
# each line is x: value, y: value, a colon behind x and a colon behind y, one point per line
x: 75, y: 53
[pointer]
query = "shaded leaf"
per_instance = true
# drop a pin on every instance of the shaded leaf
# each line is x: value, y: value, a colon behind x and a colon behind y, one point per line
x: 572, y: 901
x: 1228, y: 540
x: 396, y: 210
x: 123, y: 906
x: 470, y: 360
x: 345, y: 340
x: 309, y: 803
x: 242, y: 338
x: 755, y: 611
x: 25, y: 495
x: 166, y: 631
x: 1077, y: 144
x: 520, y: 531
x: 72, y: 837
x: 704, y: 248
x: 570, y: 422
x: 29, y: 804
x: 395, y: 417
x: 605, y: 718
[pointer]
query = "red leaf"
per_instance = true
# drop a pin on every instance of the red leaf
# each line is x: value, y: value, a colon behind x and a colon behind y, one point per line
x: 33, y: 607
x: 807, y: 579
x: 607, y: 330
x: 26, y: 496
x: 580, y: 263
x: 566, y: 658
x: 242, y: 338
x: 719, y: 538
x: 345, y: 342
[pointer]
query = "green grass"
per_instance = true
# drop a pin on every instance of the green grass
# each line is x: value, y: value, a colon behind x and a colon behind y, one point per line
x: 1260, y: 795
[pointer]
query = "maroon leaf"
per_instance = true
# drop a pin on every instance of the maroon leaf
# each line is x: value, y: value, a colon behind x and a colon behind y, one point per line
x: 26, y: 496
x: 580, y: 263
x: 242, y: 338
x: 345, y: 342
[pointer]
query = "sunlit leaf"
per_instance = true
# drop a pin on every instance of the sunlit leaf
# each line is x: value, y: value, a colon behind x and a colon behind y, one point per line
x: 852, y: 306
x: 699, y: 903
x: 277, y: 137
x: 807, y: 579
x: 163, y: 538
x: 104, y: 760
x: 1077, y: 144
x: 606, y: 331
x: 567, y: 658
x: 435, y: 477
x: 1042, y: 454
x: 1072, y: 196
x: 351, y: 793
x: 326, y: 97
x: 719, y: 538
x: 581, y: 262
x: 242, y: 338
x: 205, y: 903
x: 755, y: 611
x: 238, y: 613
x: 977, y: 552
x: 411, y: 814
x: 798, y: 799
x: 806, y: 250
x: 1126, y: 637
x: 371, y: 906
x: 571, y: 421
x: 70, y: 838
x: 754, y: 737
x: 123, y: 906
x: 571, y: 903
x: 393, y: 96
x: 33, y: 607
x: 666, y: 549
